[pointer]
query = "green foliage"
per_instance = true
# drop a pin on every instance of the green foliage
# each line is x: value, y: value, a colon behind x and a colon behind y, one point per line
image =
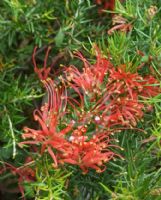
x: 17, y: 93
x: 138, y: 180
x: 76, y: 25
x: 24, y: 24
x: 51, y: 183
x: 118, y: 46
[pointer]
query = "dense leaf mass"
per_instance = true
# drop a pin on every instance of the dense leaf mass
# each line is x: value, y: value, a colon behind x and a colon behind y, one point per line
x: 80, y: 99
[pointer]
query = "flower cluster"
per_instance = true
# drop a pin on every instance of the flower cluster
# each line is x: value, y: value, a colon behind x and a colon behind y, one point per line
x: 89, y: 153
x: 67, y: 145
x: 126, y: 89
x: 116, y: 98
x: 67, y: 140
x: 105, y: 98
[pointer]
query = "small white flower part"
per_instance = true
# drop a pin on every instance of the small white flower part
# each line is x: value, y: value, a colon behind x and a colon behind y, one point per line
x: 97, y: 118
x: 73, y: 121
x: 71, y: 138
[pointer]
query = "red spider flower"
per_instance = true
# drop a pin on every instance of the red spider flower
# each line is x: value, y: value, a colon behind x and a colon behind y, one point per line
x: 124, y: 108
x: 124, y: 89
x: 89, y: 152
x: 116, y: 104
x: 92, y: 77
x: 48, y: 118
x: 77, y: 149
x: 121, y: 82
x: 123, y: 111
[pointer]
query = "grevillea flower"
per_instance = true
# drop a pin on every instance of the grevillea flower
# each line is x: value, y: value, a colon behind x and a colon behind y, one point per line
x: 48, y: 118
x: 124, y: 112
x: 113, y: 102
x: 124, y: 83
x: 72, y: 143
x: 117, y: 103
x: 89, y: 152
x: 76, y: 148
x: 124, y: 89
x: 92, y: 77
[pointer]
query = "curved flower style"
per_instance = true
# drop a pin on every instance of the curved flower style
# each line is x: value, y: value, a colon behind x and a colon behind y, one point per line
x: 43, y: 73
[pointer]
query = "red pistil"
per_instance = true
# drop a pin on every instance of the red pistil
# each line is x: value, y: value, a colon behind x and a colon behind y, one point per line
x: 42, y: 73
